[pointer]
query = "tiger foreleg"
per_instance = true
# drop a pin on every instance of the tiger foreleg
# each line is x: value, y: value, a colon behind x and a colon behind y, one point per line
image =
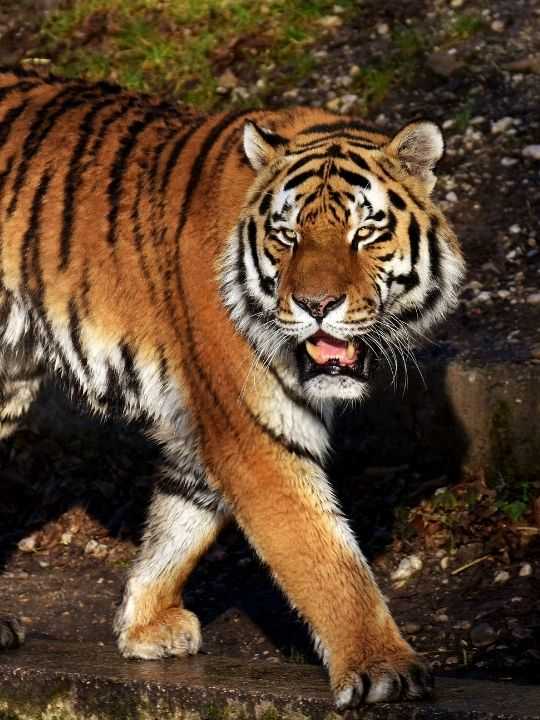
x: 151, y: 622
x: 288, y: 512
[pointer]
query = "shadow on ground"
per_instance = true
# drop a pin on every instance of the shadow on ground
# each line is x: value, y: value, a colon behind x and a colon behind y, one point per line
x: 384, y: 460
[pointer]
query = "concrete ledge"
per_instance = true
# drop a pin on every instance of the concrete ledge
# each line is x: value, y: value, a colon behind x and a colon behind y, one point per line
x: 53, y: 680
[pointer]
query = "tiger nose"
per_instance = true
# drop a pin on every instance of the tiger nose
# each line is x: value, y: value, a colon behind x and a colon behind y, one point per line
x: 318, y: 307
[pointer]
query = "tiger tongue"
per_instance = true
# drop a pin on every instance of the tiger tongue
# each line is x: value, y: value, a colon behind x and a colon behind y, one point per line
x: 323, y: 348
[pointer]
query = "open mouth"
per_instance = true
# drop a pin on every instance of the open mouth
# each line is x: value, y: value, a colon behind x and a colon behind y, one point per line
x: 323, y: 354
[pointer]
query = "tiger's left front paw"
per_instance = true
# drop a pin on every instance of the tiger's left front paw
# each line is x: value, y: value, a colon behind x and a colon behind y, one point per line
x: 175, y: 632
x: 398, y: 678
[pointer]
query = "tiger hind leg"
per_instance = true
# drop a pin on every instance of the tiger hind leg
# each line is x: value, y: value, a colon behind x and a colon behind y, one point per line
x: 152, y: 622
x: 20, y: 381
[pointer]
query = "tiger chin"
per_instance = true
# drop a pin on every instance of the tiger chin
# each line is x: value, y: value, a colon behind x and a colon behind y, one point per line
x: 229, y: 278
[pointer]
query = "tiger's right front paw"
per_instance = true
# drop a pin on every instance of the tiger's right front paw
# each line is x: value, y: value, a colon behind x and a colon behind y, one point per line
x: 175, y: 632
x: 399, y: 678
x: 12, y: 633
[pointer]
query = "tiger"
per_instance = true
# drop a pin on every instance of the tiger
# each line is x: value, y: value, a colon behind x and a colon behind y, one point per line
x: 231, y: 279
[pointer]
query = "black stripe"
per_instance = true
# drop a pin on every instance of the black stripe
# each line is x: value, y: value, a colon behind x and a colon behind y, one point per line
x: 354, y: 178
x: 138, y: 235
x: 414, y: 240
x: 40, y: 128
x: 133, y: 382
x: 303, y: 161
x: 396, y: 200
x: 291, y: 446
x: 175, y: 153
x: 32, y: 237
x: 434, y: 250
x: 198, y: 165
x: 73, y: 177
x: 17, y: 87
x: 7, y: 122
x: 75, y: 335
x: 107, y: 124
x: 114, y: 188
x: 297, y: 180
x: 265, y: 203
x: 409, y: 281
x: 266, y: 284
x: 358, y: 160
x: 338, y: 126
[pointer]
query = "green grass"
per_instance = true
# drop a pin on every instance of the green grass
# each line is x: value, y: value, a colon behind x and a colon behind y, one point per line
x: 180, y: 48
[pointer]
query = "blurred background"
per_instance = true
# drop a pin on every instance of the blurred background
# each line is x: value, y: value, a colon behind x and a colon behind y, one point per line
x: 440, y: 471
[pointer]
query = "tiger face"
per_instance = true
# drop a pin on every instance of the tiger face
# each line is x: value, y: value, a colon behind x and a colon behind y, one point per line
x: 340, y: 257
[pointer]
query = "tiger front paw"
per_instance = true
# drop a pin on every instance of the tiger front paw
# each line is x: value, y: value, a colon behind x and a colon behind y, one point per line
x: 175, y: 632
x: 402, y: 676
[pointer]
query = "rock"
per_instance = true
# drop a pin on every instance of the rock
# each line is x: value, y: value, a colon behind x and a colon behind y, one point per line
x: 452, y: 197
x: 525, y: 570
x: 66, y: 538
x: 497, y: 26
x: 514, y: 229
x: 228, y: 80
x: 445, y: 561
x: 528, y: 64
x: 96, y: 549
x: 502, y: 576
x: 534, y: 298
x: 483, y: 635
x: 27, y: 544
x: 331, y: 21
x: 443, y: 63
x: 441, y: 618
x: 508, y: 161
x: 452, y: 660
x: 383, y: 28
x: 531, y: 151
x: 407, y: 567
x: 456, y: 3
x: 411, y: 628
x: 502, y: 125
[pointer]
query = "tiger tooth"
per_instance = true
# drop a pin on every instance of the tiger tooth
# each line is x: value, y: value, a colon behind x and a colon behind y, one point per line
x: 313, y: 351
x: 351, y: 351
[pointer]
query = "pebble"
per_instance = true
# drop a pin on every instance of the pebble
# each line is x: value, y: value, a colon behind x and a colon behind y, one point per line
x: 525, y: 570
x: 411, y: 628
x: 383, y: 28
x: 503, y: 575
x: 331, y: 21
x: 514, y: 229
x: 508, y: 161
x: 96, y: 549
x: 445, y: 561
x: 531, y: 151
x: 451, y: 197
x: 27, y: 544
x: 442, y: 618
x: 452, y: 660
x: 502, y: 125
x: 533, y: 299
x: 483, y: 635
x: 66, y: 538
x: 407, y: 567
x: 497, y: 26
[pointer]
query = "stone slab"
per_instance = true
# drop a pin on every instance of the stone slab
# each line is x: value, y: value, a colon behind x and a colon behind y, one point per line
x: 53, y: 680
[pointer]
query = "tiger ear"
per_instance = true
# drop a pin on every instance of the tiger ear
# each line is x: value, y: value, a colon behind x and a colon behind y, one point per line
x: 418, y: 146
x: 261, y: 145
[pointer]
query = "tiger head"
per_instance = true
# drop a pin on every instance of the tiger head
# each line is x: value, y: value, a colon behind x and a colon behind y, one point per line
x: 340, y: 257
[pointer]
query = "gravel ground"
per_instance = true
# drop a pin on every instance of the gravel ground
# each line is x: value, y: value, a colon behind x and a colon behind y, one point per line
x: 468, y: 591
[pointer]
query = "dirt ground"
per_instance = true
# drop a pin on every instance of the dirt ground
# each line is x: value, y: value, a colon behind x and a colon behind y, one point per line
x: 74, y: 492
